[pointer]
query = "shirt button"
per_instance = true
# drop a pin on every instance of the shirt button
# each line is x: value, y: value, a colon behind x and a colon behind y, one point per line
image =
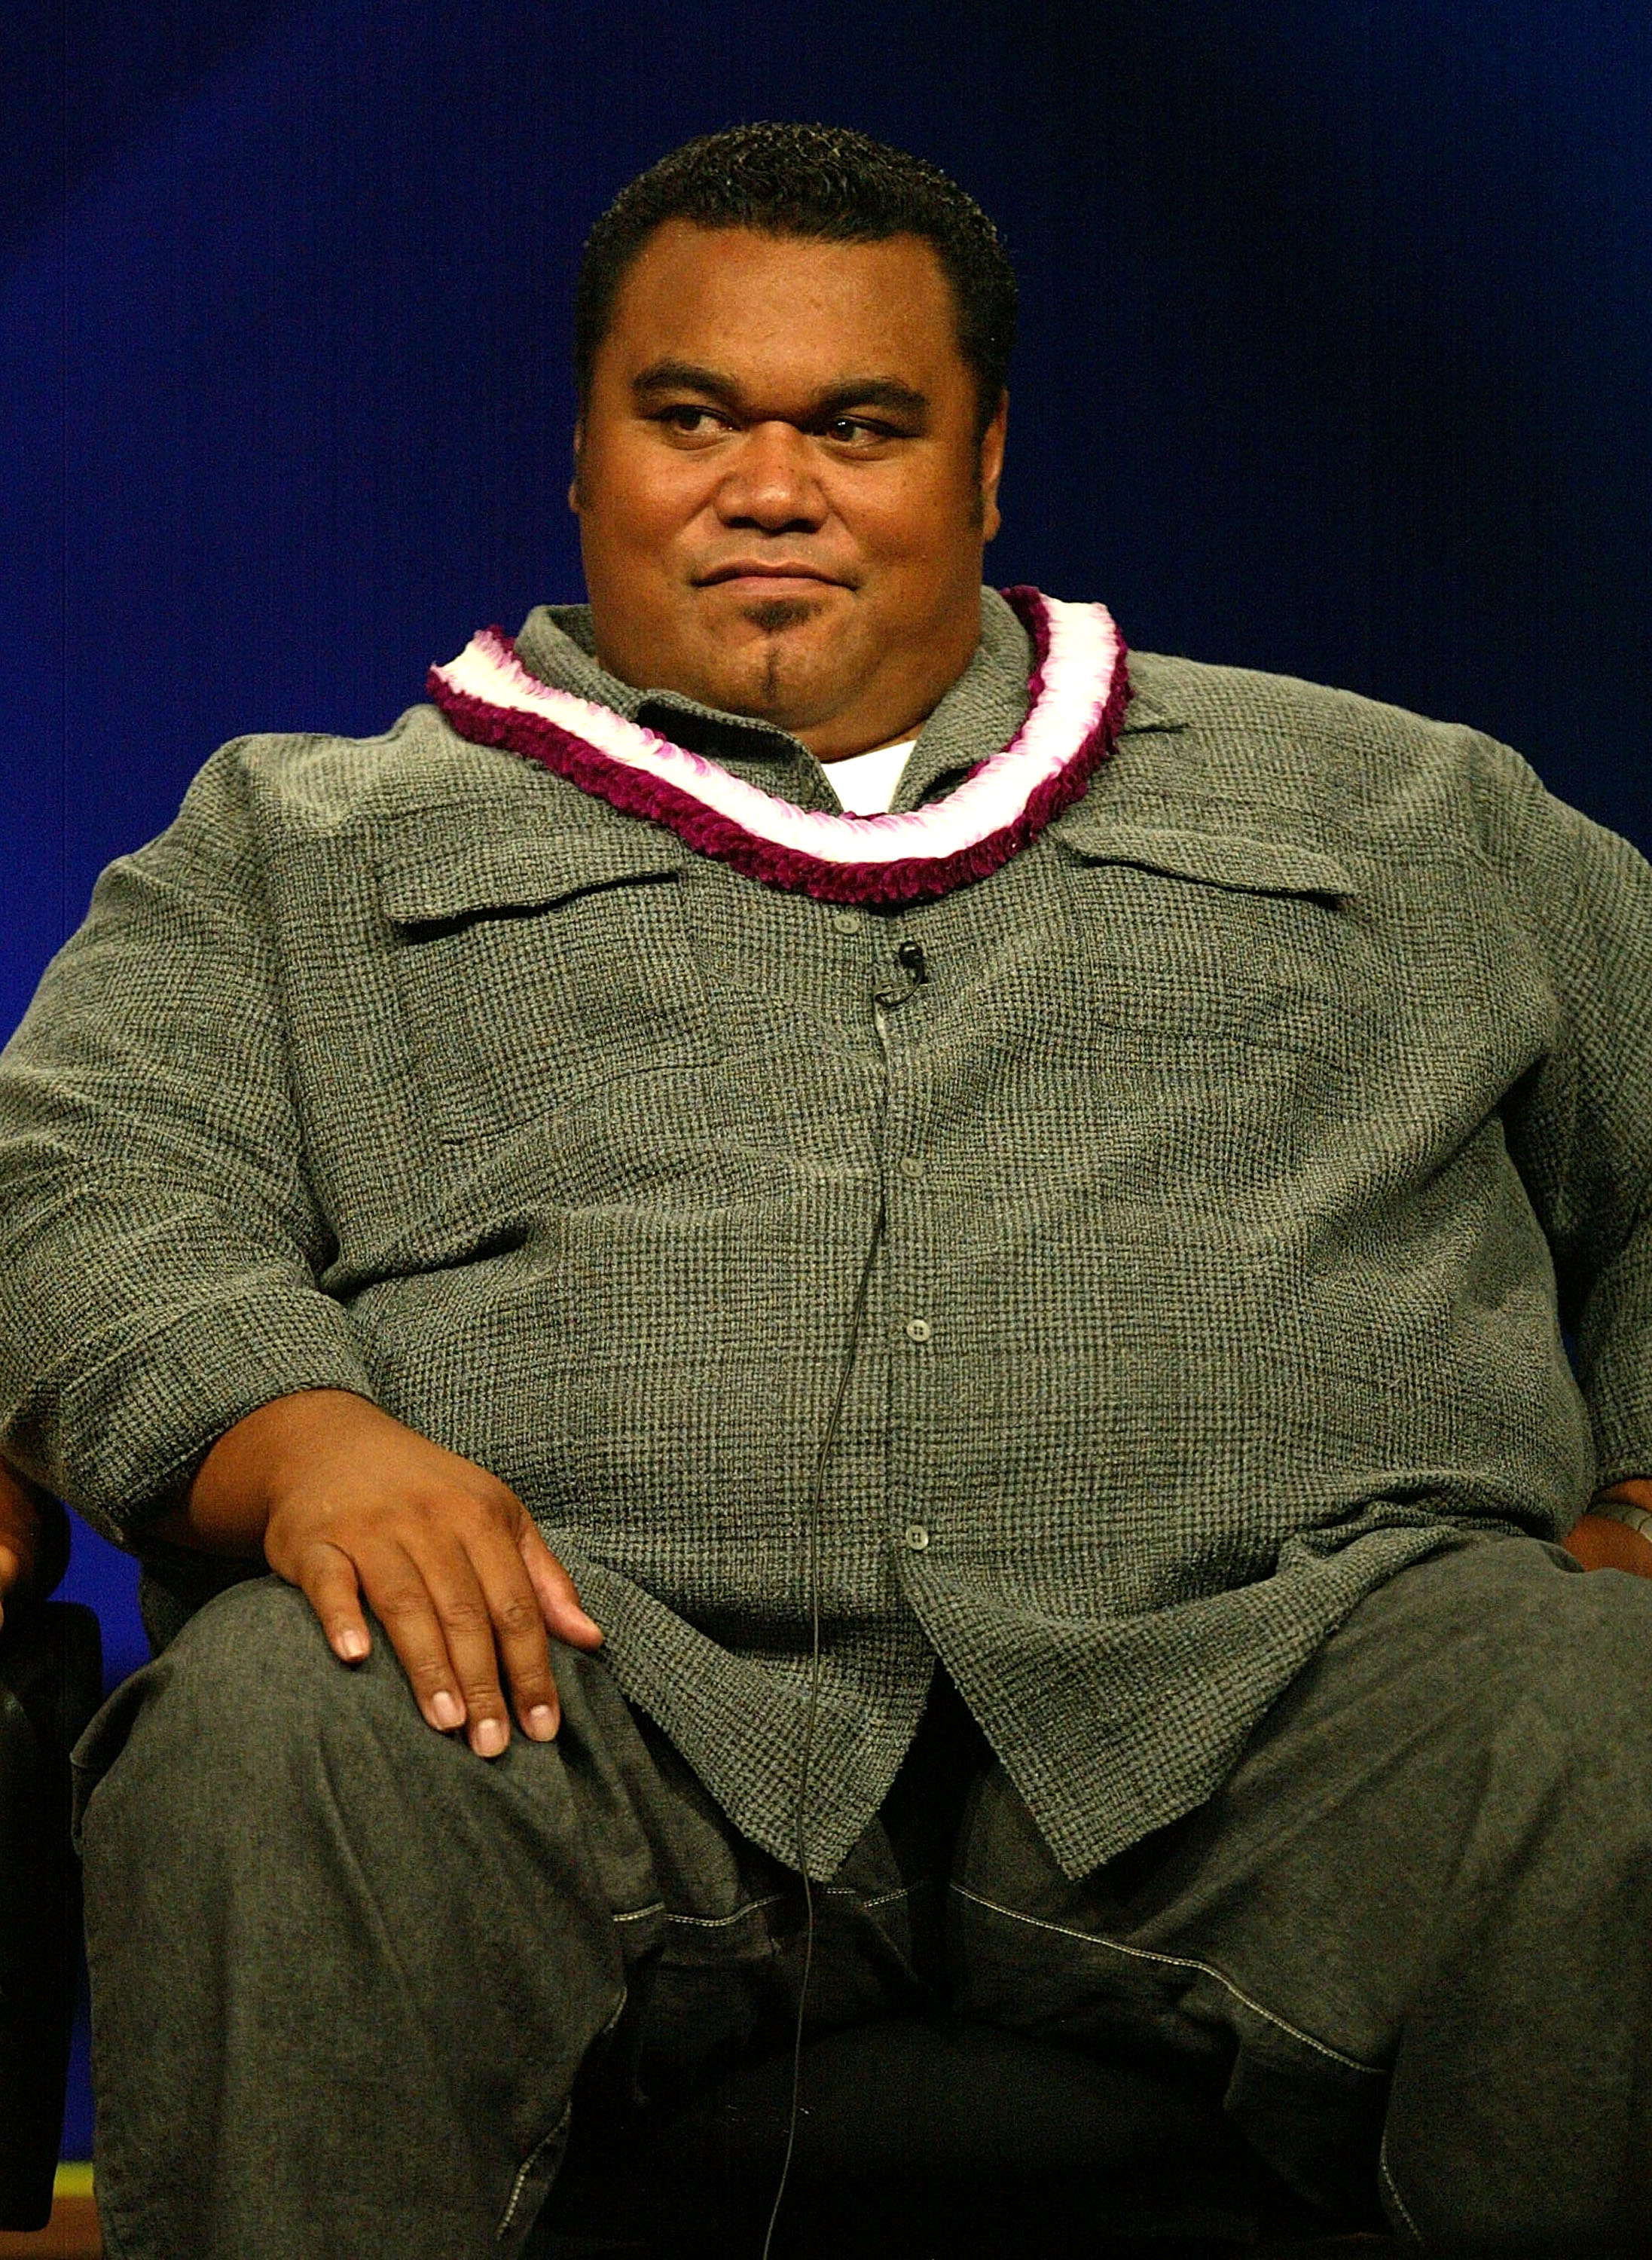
x: 919, y: 1330
x: 911, y: 1166
x: 846, y: 922
x: 917, y: 1537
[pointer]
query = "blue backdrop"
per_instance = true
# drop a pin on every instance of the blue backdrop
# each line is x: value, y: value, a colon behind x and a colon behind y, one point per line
x: 1337, y: 356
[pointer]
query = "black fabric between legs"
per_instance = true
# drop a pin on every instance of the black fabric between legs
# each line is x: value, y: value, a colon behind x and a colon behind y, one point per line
x: 50, y: 1674
x: 919, y: 2138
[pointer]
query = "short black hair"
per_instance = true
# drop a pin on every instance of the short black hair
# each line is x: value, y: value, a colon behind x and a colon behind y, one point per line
x: 825, y: 183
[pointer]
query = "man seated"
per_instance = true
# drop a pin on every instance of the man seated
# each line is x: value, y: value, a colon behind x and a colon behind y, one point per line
x: 1001, y: 1223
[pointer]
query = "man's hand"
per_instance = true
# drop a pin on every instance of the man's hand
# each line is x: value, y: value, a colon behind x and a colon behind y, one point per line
x: 19, y: 1533
x: 1600, y: 1543
x: 352, y: 1507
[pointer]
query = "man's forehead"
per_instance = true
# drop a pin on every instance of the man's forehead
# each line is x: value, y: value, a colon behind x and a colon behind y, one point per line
x: 693, y: 295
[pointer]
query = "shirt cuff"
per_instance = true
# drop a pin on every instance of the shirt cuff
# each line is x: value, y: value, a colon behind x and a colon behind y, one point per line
x: 133, y: 1426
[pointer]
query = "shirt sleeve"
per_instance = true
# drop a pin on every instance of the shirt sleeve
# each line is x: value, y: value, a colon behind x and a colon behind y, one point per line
x: 160, y: 1247
x: 1579, y: 1126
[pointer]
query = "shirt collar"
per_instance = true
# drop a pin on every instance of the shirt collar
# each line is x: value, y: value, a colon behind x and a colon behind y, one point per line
x: 981, y: 712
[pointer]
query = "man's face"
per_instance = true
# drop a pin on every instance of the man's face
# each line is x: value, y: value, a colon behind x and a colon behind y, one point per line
x: 781, y: 496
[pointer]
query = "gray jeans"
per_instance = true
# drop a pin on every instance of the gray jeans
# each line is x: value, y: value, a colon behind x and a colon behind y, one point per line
x: 344, y: 1973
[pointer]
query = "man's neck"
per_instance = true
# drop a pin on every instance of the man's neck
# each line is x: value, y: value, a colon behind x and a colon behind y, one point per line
x: 886, y: 745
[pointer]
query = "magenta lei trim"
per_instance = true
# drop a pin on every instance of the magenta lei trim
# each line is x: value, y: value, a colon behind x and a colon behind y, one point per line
x: 913, y: 878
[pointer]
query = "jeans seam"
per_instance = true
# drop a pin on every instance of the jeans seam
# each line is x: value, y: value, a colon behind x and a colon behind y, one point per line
x: 526, y: 2169
x: 1386, y: 2171
x: 1177, y: 1961
x: 756, y: 1907
x: 880, y: 1899
x: 640, y: 1914
x: 559, y: 2130
x: 698, y: 1921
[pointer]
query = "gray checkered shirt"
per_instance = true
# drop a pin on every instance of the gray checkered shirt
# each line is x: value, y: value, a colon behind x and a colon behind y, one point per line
x: 1246, y: 1148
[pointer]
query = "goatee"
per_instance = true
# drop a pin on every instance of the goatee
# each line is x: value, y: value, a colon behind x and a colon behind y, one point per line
x: 775, y: 614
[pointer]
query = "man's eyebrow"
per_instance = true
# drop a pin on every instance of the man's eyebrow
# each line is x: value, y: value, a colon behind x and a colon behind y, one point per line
x: 682, y: 376
x: 872, y: 392
x: 891, y: 392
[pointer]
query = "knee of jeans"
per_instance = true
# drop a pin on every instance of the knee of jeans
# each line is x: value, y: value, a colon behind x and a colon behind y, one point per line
x: 1581, y: 1676
x: 215, y: 1725
x: 259, y: 1637
x: 1592, y: 1670
x: 250, y: 1685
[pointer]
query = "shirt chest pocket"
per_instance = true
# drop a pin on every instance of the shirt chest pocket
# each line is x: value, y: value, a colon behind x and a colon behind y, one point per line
x: 1184, y: 934
x: 534, y: 971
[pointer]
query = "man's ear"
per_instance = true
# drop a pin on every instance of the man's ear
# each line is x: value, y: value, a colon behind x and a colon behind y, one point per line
x: 579, y: 449
x: 993, y: 468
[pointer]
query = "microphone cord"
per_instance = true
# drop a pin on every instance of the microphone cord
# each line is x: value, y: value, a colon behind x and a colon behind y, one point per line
x: 814, y: 1514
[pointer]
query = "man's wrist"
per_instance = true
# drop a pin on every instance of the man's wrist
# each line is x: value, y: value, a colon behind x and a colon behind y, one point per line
x: 1629, y: 1503
x: 227, y: 1504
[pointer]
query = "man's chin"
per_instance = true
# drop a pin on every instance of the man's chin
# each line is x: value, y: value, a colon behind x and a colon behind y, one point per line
x: 781, y: 665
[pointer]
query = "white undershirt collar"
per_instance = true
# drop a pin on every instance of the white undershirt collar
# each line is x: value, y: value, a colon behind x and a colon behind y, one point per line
x: 866, y: 784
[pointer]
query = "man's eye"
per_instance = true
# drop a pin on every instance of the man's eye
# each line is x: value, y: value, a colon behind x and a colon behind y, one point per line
x: 693, y: 423
x: 855, y: 429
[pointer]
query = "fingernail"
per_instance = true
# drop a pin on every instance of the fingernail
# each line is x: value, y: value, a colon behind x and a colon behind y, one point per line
x: 490, y: 1738
x: 352, y: 1646
x: 448, y: 1710
x: 542, y: 1723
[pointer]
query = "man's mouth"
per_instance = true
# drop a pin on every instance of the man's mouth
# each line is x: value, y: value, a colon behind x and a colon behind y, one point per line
x: 777, y: 578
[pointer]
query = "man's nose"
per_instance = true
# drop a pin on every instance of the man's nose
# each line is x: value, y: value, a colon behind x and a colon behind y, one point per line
x: 773, y: 481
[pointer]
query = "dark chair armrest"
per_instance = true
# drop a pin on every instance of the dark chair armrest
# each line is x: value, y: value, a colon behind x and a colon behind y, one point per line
x: 51, y: 1682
